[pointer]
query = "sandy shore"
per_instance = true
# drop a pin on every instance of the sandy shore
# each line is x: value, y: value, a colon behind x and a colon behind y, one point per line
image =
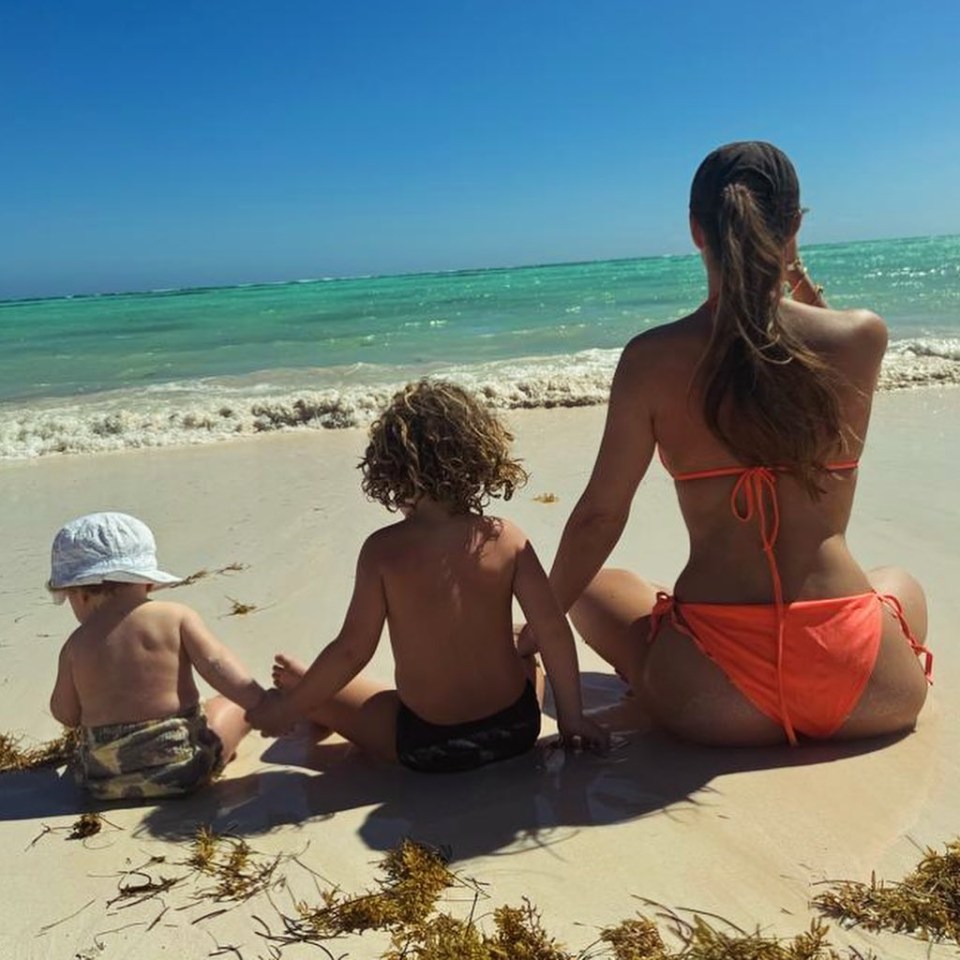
x: 745, y: 834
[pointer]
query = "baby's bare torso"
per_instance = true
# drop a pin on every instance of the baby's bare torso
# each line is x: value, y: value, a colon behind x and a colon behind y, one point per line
x: 129, y: 665
x: 449, y: 595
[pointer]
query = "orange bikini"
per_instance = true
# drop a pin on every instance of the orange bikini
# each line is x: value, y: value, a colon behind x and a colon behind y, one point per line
x: 803, y: 664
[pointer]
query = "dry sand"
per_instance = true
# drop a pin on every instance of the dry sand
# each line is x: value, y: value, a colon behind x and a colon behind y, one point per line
x: 745, y: 834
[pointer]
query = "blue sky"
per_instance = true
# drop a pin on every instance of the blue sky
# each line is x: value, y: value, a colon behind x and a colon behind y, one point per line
x: 150, y: 145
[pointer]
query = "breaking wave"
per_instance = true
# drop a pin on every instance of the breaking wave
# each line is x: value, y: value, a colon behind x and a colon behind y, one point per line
x: 208, y: 411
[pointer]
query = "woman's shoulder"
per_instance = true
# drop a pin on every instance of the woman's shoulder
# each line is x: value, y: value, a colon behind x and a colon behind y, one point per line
x: 665, y: 351
x: 859, y: 330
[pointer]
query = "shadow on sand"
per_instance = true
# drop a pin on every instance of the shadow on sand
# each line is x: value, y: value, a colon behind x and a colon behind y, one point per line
x: 535, y: 800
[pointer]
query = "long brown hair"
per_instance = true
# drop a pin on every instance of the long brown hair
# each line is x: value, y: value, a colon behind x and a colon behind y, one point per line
x: 766, y: 395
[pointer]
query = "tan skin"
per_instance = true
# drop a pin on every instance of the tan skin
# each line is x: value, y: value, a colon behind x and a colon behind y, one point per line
x: 132, y: 659
x: 444, y: 584
x: 650, y: 405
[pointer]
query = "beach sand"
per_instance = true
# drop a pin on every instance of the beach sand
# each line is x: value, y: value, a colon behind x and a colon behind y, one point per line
x: 745, y: 834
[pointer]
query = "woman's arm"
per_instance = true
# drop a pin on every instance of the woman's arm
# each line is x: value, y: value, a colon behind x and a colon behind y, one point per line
x: 556, y: 646
x: 598, y: 519
x: 340, y: 661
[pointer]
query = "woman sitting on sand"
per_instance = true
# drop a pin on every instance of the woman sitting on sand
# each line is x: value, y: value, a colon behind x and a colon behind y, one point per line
x: 759, y: 405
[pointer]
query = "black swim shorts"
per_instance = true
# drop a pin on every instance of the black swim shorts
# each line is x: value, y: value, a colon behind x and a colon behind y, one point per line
x: 449, y: 748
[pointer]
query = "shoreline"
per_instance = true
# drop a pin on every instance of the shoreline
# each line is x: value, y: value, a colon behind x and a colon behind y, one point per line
x: 582, y: 836
x: 220, y: 411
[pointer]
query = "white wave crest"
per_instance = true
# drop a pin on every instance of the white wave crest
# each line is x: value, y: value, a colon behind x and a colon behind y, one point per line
x: 921, y: 362
x: 211, y: 411
x: 206, y: 412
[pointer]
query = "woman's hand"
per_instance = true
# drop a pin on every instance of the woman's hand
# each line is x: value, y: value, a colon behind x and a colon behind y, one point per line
x: 790, y: 253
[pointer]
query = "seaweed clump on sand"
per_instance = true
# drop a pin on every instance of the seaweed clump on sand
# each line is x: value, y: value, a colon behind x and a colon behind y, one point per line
x: 415, y: 876
x: 405, y: 907
x: 229, y: 861
x: 635, y: 939
x: 926, y: 903
x: 639, y: 939
x: 88, y: 825
x: 518, y: 935
x: 53, y: 753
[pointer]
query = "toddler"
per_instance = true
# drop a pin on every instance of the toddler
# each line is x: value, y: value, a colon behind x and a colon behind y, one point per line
x: 125, y: 676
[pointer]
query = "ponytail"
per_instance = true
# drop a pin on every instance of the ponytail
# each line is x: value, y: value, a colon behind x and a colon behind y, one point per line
x: 766, y: 395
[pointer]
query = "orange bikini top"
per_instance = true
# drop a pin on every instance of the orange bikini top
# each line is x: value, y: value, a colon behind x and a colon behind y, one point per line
x: 754, y: 495
x: 754, y: 492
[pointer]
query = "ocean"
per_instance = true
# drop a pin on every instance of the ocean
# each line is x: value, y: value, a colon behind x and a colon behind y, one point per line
x: 93, y: 373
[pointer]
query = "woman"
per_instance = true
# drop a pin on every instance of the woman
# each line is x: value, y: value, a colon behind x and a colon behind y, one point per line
x: 759, y: 403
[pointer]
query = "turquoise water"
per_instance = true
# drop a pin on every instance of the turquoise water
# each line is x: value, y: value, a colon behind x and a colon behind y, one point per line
x: 91, y: 373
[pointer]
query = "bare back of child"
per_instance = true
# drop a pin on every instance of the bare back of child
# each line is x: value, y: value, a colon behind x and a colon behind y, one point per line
x: 125, y: 675
x: 443, y: 580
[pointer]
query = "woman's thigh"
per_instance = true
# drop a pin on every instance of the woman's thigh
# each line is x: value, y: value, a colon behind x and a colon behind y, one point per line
x: 613, y: 618
x: 897, y: 687
x: 682, y: 688
x: 689, y: 694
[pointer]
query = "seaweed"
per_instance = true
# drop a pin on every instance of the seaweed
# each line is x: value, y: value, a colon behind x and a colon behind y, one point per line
x: 403, y: 904
x: 88, y: 825
x: 131, y: 893
x: 405, y: 907
x: 546, y: 498
x: 238, y: 609
x: 204, y: 573
x: 52, y: 753
x: 635, y: 939
x: 415, y: 876
x: 519, y: 935
x: 926, y: 903
x: 705, y: 942
x: 230, y: 862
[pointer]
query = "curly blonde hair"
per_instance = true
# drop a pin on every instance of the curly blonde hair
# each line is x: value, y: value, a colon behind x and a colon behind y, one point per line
x: 437, y: 440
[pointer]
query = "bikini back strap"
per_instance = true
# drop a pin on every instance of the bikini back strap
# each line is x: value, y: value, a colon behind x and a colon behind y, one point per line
x: 754, y: 495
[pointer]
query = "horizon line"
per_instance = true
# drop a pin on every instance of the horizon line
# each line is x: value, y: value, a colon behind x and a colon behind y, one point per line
x: 454, y: 271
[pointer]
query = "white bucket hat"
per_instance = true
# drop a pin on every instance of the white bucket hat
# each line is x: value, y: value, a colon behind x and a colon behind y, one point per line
x: 105, y: 546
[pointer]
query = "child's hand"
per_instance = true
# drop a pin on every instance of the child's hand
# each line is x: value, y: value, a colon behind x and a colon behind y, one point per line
x: 584, y: 734
x: 272, y: 715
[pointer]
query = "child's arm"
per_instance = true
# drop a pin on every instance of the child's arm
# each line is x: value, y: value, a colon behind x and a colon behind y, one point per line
x: 217, y: 664
x: 341, y: 660
x: 557, y: 647
x: 64, y: 701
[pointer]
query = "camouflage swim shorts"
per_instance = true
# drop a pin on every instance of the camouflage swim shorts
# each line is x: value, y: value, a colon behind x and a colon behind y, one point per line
x: 153, y: 758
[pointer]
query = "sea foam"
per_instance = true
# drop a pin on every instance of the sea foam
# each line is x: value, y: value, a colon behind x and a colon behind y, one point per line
x: 211, y: 410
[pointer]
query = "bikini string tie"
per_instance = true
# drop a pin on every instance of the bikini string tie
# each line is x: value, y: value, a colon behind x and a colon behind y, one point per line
x: 754, y: 496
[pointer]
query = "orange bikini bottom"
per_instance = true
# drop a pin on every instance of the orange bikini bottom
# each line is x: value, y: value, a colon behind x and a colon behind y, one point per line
x: 813, y: 681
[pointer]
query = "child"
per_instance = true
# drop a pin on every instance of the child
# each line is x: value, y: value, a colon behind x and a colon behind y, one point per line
x: 125, y: 674
x: 443, y: 579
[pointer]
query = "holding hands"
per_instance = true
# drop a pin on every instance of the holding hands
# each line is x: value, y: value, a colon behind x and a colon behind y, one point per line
x: 273, y: 716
